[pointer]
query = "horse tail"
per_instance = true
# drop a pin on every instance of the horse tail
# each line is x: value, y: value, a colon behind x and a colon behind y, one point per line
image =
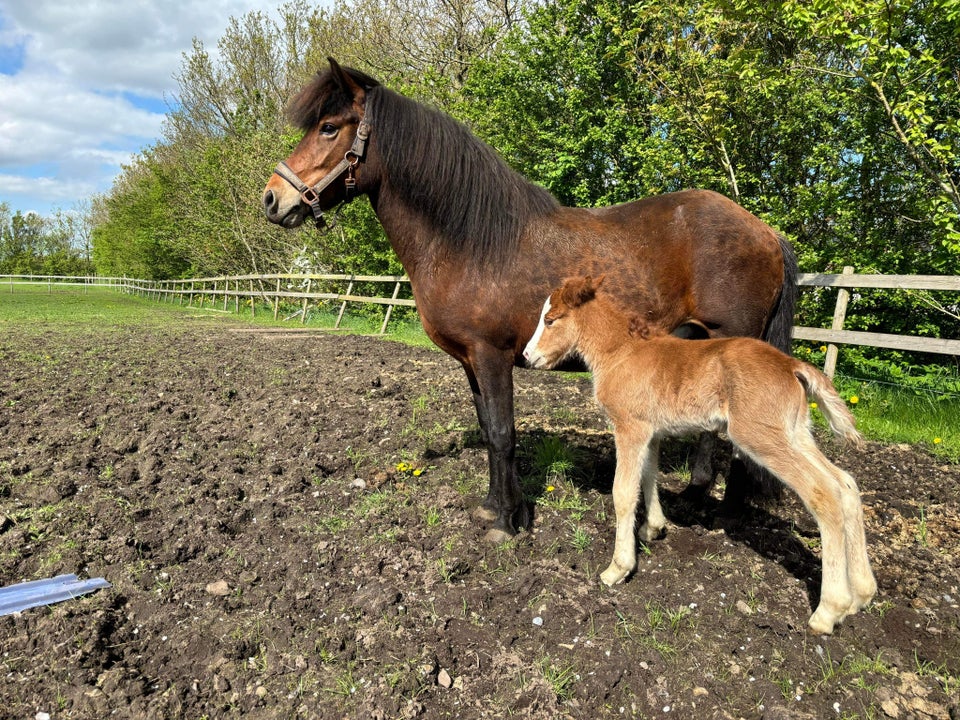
x: 818, y: 387
x: 779, y: 330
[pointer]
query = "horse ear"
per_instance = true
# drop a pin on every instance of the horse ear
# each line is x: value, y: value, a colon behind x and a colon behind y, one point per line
x: 346, y: 84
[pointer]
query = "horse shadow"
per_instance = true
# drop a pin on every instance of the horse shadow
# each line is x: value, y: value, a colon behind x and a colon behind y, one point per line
x: 755, y: 523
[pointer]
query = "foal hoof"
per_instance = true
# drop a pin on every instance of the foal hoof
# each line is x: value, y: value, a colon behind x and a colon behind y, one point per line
x: 613, y: 575
x: 496, y: 536
x: 484, y: 514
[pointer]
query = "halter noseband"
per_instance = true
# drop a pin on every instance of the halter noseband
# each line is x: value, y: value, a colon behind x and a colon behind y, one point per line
x: 311, y: 195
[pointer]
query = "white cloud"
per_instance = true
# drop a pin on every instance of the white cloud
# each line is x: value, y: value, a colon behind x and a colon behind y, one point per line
x: 69, y: 110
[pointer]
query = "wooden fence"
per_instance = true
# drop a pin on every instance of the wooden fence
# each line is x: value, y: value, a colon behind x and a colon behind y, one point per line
x: 297, y: 289
x: 245, y: 291
x: 836, y: 335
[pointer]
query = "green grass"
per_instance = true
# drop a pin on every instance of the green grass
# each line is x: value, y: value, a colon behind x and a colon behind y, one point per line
x: 34, y: 306
x: 895, y: 415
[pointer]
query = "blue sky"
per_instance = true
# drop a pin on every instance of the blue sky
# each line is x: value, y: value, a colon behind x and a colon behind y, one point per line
x: 85, y: 85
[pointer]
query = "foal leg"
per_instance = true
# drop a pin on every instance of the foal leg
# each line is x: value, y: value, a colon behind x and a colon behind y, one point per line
x: 792, y: 461
x: 859, y: 575
x: 632, y: 451
x: 655, y: 520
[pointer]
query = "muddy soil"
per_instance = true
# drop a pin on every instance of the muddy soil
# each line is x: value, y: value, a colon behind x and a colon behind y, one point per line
x: 285, y: 520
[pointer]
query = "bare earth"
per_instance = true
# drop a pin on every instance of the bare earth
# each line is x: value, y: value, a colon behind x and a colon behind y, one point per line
x: 241, y: 492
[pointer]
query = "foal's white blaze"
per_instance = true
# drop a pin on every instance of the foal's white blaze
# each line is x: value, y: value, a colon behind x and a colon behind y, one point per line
x: 534, y: 358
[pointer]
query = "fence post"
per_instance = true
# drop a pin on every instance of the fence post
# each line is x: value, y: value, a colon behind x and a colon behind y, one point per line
x: 386, y: 317
x: 839, y: 314
x: 253, y: 302
x: 343, y: 305
x: 303, y: 310
x: 276, y: 301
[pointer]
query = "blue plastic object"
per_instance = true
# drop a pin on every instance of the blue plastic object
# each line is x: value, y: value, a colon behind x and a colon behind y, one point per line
x: 22, y: 596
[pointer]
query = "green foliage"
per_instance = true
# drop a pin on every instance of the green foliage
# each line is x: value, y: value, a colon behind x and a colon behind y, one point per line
x: 836, y: 122
x: 30, y: 244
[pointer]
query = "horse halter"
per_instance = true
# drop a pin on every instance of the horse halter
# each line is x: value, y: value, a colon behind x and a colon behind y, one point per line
x: 352, y: 158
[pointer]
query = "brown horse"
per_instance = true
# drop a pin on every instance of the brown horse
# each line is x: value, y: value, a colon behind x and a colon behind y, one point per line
x: 653, y: 387
x: 483, y: 246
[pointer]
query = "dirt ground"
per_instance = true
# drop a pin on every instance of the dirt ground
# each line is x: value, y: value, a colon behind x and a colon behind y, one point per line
x: 285, y: 520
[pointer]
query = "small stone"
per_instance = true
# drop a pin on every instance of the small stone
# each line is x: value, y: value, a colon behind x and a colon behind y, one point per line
x: 219, y: 588
x: 743, y: 608
x: 443, y: 679
x: 261, y: 691
x: 700, y: 692
x: 538, y: 621
x: 42, y: 716
x: 358, y: 484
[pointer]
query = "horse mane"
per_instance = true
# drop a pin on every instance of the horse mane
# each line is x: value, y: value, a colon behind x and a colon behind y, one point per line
x: 473, y: 200
x: 324, y: 96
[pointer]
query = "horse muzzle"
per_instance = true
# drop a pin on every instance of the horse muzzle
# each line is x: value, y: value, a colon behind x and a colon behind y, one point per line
x: 286, y: 214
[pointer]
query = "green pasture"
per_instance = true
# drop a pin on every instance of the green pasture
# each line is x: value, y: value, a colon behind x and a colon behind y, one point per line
x: 886, y: 411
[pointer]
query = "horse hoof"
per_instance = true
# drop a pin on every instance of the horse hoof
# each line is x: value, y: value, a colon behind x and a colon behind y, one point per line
x: 695, y: 492
x: 497, y: 537
x: 484, y: 514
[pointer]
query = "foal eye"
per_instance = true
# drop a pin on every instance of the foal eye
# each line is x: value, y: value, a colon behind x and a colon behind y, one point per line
x: 328, y: 129
x: 547, y: 322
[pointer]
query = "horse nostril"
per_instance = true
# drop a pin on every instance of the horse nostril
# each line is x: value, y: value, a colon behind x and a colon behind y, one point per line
x: 269, y: 202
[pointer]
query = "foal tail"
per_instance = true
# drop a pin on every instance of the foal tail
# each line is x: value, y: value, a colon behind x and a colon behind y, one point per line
x: 818, y: 387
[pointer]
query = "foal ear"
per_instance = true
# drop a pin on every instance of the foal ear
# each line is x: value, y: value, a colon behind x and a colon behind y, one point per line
x: 577, y: 291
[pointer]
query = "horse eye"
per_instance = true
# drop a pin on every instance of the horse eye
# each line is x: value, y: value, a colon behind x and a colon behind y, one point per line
x: 328, y: 129
x: 547, y: 322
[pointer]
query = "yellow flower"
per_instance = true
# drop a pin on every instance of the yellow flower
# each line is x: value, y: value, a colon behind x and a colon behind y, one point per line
x: 402, y: 467
x: 418, y: 472
x: 813, y: 406
x: 550, y: 488
x: 937, y: 441
x: 854, y: 399
x: 823, y: 348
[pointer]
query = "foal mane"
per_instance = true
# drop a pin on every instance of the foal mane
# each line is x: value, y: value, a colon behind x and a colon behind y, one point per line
x: 475, y: 203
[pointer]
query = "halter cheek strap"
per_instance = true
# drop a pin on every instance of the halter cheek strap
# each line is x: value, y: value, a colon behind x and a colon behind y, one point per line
x: 311, y: 195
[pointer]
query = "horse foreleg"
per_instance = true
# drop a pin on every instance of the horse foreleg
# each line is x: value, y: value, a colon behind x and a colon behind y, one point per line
x: 491, y: 381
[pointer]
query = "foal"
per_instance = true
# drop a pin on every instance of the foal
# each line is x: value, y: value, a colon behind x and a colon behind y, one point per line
x: 665, y: 386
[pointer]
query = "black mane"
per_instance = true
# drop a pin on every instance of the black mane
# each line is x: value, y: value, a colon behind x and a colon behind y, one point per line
x: 473, y: 200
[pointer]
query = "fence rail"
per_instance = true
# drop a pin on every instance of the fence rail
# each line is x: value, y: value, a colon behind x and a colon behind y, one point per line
x: 304, y: 289
x: 836, y: 335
